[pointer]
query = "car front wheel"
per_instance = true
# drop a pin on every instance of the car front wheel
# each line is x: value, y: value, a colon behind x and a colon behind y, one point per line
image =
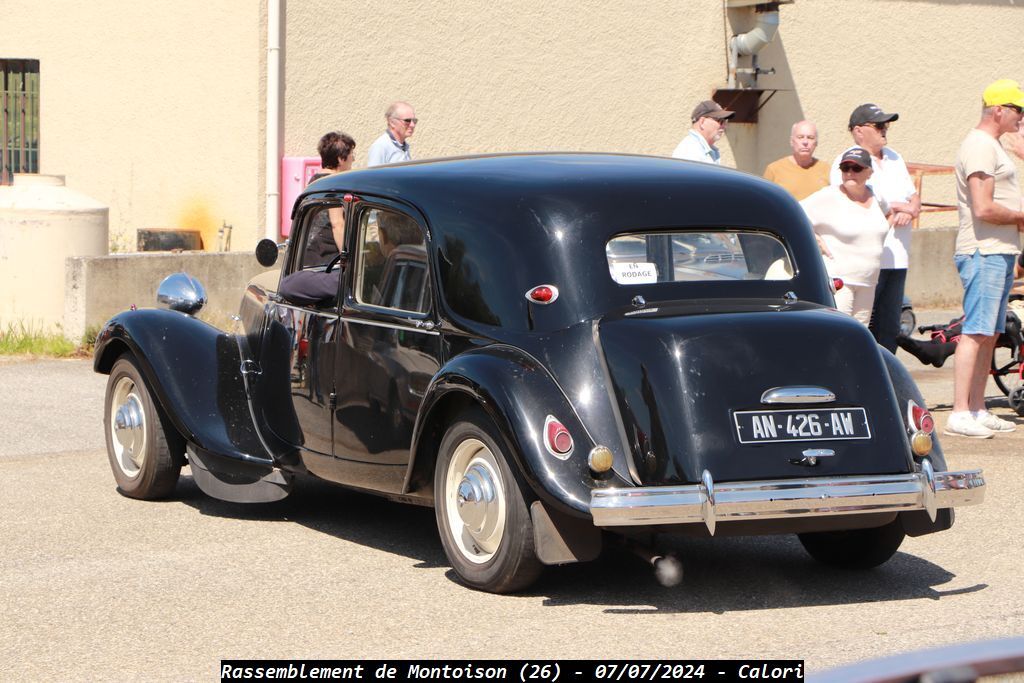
x: 146, y: 455
x: 482, y: 517
x: 856, y: 548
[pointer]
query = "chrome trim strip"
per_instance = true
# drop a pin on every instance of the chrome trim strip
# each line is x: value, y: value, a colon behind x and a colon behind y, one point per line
x: 710, y: 503
x: 391, y: 326
x: 797, y: 395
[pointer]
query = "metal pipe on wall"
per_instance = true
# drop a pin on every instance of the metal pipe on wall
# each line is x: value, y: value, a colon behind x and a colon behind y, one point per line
x: 273, y: 119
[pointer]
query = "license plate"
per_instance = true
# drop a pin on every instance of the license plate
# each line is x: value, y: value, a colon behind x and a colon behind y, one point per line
x: 826, y: 424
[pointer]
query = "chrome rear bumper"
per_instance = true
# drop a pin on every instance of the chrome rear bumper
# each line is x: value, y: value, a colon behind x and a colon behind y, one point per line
x: 711, y: 503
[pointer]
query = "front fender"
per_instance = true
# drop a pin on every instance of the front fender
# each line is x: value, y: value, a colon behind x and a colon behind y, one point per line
x: 193, y: 370
x: 518, y: 394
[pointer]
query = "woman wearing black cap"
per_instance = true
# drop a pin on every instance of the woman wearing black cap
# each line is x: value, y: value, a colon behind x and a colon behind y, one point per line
x: 850, y: 224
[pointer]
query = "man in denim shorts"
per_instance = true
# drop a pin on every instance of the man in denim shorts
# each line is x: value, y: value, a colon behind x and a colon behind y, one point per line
x: 989, y: 203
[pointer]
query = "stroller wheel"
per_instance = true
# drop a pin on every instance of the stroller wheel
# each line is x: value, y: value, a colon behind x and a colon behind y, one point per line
x: 1006, y: 369
x: 1016, y: 400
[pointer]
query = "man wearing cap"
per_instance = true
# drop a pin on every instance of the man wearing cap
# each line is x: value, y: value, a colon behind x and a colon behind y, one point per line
x: 393, y: 146
x: 891, y: 181
x: 800, y: 173
x: 988, y: 198
x: 709, y: 120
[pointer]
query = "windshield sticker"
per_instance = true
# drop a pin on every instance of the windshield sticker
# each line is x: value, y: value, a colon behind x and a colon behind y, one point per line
x: 634, y: 273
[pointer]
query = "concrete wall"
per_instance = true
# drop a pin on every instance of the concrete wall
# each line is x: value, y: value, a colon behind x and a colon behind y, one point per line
x: 100, y: 286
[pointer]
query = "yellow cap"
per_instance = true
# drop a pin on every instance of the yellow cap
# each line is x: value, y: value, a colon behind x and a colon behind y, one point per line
x: 1003, y: 91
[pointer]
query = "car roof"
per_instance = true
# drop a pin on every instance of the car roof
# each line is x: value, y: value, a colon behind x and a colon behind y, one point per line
x: 530, y: 181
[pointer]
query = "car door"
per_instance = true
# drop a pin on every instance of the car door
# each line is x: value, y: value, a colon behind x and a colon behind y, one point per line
x: 303, y: 322
x: 388, y: 349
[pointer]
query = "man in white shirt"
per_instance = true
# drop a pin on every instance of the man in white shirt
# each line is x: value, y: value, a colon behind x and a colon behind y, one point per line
x: 988, y: 197
x: 709, y: 121
x: 393, y: 146
x: 891, y: 181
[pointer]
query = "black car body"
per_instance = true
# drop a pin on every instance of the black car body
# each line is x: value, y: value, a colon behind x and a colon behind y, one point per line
x: 545, y: 348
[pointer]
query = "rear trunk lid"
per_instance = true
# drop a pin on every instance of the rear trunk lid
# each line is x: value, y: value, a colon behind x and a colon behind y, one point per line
x: 692, y: 385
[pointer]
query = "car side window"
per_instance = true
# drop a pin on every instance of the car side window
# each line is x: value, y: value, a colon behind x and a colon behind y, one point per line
x: 319, y: 243
x: 391, y: 266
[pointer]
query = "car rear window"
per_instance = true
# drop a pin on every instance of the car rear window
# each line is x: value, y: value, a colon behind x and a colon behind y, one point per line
x: 653, y: 257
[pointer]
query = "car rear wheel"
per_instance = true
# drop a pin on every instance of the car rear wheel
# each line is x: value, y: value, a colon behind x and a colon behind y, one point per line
x: 482, y: 517
x: 856, y: 548
x: 146, y: 454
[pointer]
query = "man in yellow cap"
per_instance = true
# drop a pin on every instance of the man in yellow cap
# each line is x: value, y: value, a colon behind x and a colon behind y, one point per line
x: 989, y: 201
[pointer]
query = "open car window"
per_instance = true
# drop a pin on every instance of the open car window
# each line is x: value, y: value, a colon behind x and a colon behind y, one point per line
x: 318, y: 244
x: 391, y: 265
x: 654, y: 257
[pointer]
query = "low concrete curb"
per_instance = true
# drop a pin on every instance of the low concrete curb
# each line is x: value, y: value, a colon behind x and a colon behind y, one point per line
x: 97, y: 287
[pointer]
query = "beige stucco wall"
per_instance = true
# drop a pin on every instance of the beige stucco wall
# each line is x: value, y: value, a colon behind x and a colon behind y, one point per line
x: 152, y: 108
x: 158, y: 109
x: 612, y: 76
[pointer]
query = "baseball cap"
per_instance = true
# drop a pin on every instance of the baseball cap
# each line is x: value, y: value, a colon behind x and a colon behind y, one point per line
x: 1003, y: 91
x: 870, y: 113
x: 856, y: 155
x: 711, y: 109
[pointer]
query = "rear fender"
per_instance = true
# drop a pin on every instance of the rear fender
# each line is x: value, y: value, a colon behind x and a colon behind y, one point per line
x: 917, y: 523
x: 518, y: 394
x: 193, y: 370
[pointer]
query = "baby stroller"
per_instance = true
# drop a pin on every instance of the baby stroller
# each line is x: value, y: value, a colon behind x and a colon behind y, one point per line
x: 1007, y: 366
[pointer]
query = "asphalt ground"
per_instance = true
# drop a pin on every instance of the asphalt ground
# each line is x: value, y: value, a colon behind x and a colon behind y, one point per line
x: 97, y: 586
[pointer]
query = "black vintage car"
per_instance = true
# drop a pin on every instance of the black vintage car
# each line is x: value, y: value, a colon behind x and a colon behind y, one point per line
x: 552, y: 351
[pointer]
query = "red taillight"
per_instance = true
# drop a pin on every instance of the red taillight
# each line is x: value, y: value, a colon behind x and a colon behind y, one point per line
x: 557, y: 438
x: 543, y: 294
x: 837, y: 284
x: 919, y: 418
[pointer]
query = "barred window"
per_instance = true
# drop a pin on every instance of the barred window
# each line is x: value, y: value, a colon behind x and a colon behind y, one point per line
x: 19, y: 117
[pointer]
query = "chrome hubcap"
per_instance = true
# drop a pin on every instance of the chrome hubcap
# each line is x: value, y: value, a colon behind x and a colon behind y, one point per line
x: 128, y: 427
x: 476, y: 498
x: 475, y: 501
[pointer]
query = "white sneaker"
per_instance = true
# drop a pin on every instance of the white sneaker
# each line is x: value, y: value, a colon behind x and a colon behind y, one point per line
x: 963, y: 424
x: 996, y: 424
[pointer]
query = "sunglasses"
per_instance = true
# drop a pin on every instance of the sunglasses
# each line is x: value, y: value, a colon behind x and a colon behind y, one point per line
x: 1015, y: 108
x: 850, y: 168
x: 407, y: 121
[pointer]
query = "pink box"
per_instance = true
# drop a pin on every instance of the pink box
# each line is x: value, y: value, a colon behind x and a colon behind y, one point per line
x: 295, y: 175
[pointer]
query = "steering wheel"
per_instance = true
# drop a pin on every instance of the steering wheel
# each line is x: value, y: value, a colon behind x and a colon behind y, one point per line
x: 333, y: 262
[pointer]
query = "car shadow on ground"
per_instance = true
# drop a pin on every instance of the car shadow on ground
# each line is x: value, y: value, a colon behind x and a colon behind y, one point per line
x: 738, y: 574
x: 371, y: 521
x: 726, y: 574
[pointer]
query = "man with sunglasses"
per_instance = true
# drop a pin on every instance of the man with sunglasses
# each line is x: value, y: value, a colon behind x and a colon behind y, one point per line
x: 708, y: 126
x: 891, y: 181
x: 393, y: 146
x: 988, y: 198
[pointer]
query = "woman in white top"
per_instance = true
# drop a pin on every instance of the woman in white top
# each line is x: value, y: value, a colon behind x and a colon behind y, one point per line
x: 850, y: 225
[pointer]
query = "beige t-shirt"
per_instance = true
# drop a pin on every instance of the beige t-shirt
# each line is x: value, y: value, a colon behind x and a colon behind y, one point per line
x: 799, y: 182
x: 980, y: 152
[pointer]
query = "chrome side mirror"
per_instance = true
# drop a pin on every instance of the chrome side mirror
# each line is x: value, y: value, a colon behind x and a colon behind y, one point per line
x: 181, y: 292
x: 267, y: 251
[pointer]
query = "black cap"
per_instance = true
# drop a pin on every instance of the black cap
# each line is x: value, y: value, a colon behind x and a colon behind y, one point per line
x: 711, y: 109
x: 856, y: 155
x: 870, y: 113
